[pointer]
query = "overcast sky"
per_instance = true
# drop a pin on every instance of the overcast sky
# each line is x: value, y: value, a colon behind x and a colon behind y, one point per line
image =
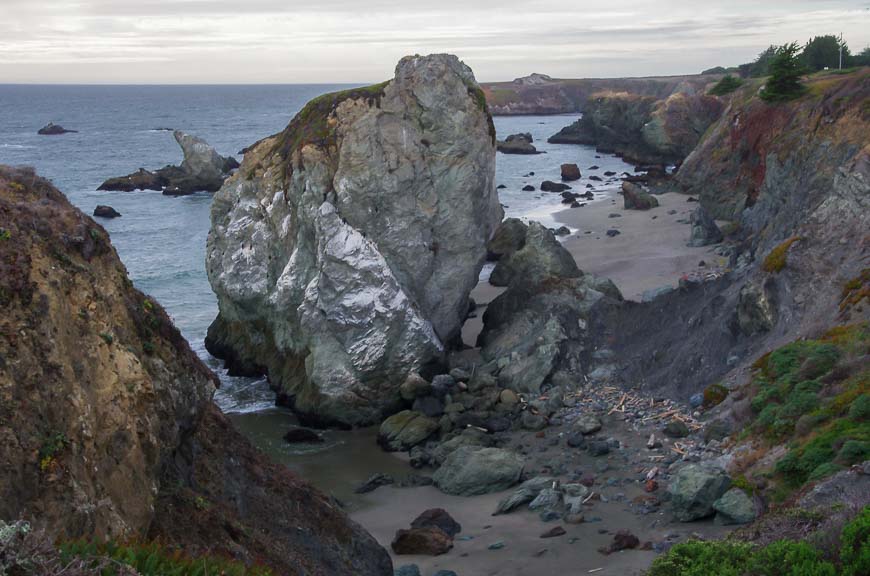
x: 287, y: 41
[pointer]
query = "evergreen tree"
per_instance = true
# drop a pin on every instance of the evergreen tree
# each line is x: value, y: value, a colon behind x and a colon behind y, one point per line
x: 786, y: 70
x: 726, y: 85
x: 824, y: 52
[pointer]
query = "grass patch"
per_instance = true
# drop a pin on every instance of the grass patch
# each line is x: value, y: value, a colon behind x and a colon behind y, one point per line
x: 154, y: 560
x: 815, y: 396
x: 780, y: 558
x: 726, y: 85
x: 776, y: 259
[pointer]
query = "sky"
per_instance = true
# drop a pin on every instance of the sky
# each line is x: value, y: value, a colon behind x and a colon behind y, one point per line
x: 331, y: 41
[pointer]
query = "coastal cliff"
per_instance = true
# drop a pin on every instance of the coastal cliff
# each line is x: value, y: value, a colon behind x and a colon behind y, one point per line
x: 107, y: 426
x: 344, y: 250
x: 540, y: 94
x: 793, y: 179
x: 643, y: 129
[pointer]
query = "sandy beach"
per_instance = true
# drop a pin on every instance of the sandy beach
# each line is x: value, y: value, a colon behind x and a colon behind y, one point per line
x: 650, y: 250
x: 618, y: 478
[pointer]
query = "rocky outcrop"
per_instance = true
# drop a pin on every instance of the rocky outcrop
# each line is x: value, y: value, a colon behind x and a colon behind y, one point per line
x: 344, y: 250
x: 644, y: 129
x: 509, y: 237
x: 540, y: 257
x: 107, y: 430
x: 517, y: 144
x: 636, y: 198
x: 52, y: 129
x: 704, y: 229
x: 202, y: 169
x: 103, y: 211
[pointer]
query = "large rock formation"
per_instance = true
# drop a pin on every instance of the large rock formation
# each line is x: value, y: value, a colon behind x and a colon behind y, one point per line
x: 202, y: 169
x: 643, y: 128
x: 344, y: 250
x: 107, y: 429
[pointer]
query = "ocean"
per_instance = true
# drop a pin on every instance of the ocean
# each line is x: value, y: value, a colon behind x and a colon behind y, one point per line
x: 161, y: 239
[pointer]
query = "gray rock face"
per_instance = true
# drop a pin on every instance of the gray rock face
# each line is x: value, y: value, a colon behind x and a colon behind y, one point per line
x: 755, y: 311
x: 541, y: 257
x: 704, y: 229
x: 734, y: 507
x: 471, y: 471
x: 694, y: 490
x: 508, y: 238
x: 201, y: 160
x: 344, y: 250
x: 533, y: 331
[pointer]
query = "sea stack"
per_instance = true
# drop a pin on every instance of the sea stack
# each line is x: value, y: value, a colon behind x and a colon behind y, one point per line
x: 344, y: 250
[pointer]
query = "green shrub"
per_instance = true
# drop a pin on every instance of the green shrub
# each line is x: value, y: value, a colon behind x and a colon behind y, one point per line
x: 860, y: 408
x: 719, y: 558
x: 107, y: 338
x: 156, y: 560
x: 855, y: 550
x: 786, y: 70
x: 726, y: 85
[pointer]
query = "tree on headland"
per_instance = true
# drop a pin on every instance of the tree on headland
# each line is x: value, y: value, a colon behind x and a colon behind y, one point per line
x: 785, y: 70
x: 726, y: 85
x: 824, y: 52
x: 862, y: 58
x: 761, y: 65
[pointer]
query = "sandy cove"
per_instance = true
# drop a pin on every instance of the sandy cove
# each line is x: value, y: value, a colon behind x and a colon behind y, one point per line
x: 649, y: 252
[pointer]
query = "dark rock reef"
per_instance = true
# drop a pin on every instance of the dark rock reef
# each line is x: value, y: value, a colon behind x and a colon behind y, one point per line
x: 52, y: 129
x: 202, y: 170
x: 517, y: 144
x: 107, y: 425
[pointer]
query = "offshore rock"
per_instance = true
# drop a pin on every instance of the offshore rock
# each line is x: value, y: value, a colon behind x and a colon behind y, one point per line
x: 344, y: 250
x: 202, y: 169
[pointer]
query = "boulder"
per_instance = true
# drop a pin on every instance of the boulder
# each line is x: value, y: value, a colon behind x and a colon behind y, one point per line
x: 298, y: 434
x: 414, y: 387
x: 407, y: 570
x: 202, y: 169
x: 509, y: 237
x: 103, y: 211
x: 404, y: 430
x: 541, y: 257
x: 547, y: 499
x: 704, y: 229
x: 343, y: 252
x: 517, y: 144
x: 635, y: 198
x: 52, y: 129
x: 694, y: 489
x: 550, y: 186
x: 429, y: 541
x: 528, y: 188
x: 440, y: 518
x: 570, y: 172
x: 468, y: 437
x: 374, y: 482
x: 587, y: 423
x: 676, y: 429
x: 755, y: 309
x: 734, y: 507
x: 471, y: 471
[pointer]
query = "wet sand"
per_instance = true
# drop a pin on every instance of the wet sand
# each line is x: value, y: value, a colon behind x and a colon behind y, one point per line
x: 648, y: 253
x: 618, y: 478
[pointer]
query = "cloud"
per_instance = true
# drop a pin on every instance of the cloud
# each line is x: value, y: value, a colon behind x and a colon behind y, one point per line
x: 173, y: 41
